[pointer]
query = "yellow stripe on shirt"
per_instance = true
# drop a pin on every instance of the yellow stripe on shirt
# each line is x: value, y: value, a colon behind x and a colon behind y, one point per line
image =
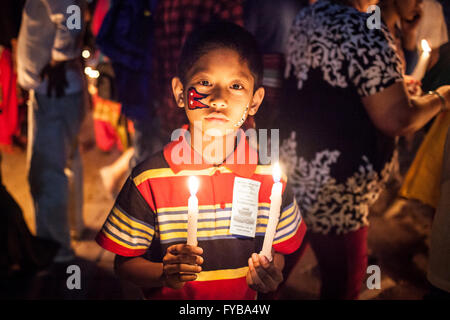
x: 222, y: 274
x: 132, y: 232
x: 286, y: 214
x: 134, y: 224
x: 121, y: 243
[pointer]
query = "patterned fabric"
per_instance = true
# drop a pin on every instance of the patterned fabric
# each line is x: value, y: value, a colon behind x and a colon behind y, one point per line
x: 331, y: 206
x: 150, y: 214
x: 336, y: 39
x: 174, y: 20
x: 337, y: 160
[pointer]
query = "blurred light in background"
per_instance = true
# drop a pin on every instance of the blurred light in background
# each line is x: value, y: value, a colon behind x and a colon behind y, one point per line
x: 86, y: 54
x: 91, y: 73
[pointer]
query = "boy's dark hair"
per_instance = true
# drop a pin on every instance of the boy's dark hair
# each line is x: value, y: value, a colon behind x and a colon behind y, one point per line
x: 221, y: 34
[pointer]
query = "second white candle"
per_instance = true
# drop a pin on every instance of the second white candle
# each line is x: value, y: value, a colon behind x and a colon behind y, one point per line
x: 274, y: 213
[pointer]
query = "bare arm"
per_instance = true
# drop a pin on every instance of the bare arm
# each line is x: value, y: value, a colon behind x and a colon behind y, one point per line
x: 394, y: 113
x: 139, y: 271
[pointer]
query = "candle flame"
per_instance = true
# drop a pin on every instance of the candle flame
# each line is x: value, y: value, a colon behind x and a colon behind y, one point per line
x: 276, y: 172
x: 193, y: 184
x: 425, y: 46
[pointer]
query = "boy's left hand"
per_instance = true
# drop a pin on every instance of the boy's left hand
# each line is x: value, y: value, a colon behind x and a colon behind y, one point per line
x: 263, y: 276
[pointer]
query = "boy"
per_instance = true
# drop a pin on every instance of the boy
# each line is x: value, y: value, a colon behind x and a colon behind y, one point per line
x: 218, y: 85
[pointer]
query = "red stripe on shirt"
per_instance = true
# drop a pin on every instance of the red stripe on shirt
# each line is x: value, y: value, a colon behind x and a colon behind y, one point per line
x: 114, y: 247
x: 290, y: 245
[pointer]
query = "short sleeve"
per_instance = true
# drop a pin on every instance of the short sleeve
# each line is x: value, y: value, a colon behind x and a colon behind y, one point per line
x: 291, y: 228
x: 373, y: 62
x: 130, y: 226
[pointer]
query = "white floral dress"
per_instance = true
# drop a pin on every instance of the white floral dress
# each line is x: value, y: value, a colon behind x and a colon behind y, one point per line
x: 336, y: 159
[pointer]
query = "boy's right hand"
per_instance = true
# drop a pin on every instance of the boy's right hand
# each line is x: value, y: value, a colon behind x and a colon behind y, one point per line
x: 180, y: 264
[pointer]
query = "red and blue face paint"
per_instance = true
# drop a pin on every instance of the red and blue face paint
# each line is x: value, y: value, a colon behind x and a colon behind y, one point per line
x: 194, y: 98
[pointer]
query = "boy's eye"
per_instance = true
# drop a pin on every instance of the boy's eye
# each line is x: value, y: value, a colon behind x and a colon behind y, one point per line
x: 205, y: 83
x: 237, y: 86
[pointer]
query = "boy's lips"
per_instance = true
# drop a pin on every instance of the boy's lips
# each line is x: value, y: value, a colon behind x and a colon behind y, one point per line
x: 217, y: 117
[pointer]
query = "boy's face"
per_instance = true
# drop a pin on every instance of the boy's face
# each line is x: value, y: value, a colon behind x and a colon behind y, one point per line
x: 218, y: 92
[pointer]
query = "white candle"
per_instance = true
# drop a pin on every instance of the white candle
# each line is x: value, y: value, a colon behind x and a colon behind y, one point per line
x: 193, y: 184
x: 421, y: 68
x: 274, y: 213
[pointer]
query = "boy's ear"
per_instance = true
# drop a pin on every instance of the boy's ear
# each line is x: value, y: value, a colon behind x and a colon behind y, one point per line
x: 257, y: 99
x: 178, y: 91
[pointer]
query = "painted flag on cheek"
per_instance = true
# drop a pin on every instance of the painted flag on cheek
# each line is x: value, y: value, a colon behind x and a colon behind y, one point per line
x: 194, y: 99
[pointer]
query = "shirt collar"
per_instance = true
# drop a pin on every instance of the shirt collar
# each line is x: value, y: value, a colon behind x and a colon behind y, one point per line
x: 242, y: 161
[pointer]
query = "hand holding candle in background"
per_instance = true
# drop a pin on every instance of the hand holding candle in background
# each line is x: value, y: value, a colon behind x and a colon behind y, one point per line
x: 421, y: 68
x: 193, y: 184
x: 274, y: 213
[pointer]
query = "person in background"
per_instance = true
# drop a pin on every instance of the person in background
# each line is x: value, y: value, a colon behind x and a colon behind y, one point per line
x: 345, y: 105
x: 49, y: 66
x: 402, y: 18
x: 126, y: 37
x: 439, y: 264
x: 432, y: 28
x: 111, y: 123
x: 269, y: 22
x: 21, y: 251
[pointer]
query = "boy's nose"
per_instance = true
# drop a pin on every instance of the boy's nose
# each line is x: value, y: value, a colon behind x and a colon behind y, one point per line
x: 218, y: 99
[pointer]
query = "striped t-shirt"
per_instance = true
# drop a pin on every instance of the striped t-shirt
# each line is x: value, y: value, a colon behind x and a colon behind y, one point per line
x: 150, y: 214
